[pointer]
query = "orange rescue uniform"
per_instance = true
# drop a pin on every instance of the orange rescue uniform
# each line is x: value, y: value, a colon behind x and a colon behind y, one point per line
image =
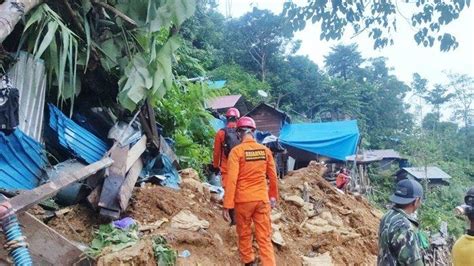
x: 247, y: 191
x: 219, y: 158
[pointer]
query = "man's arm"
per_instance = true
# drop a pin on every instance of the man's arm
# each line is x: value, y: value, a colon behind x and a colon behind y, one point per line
x: 406, y: 247
x: 272, y: 176
x: 231, y: 180
x: 218, y: 141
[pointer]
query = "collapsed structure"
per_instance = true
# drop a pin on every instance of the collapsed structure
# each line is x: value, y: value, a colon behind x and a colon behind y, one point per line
x: 313, y: 224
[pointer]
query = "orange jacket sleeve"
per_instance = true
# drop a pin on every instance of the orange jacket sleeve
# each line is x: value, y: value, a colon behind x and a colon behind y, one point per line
x: 231, y: 182
x: 272, y: 176
x: 218, y: 145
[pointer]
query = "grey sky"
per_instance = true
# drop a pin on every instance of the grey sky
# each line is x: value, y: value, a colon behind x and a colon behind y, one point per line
x: 405, y: 55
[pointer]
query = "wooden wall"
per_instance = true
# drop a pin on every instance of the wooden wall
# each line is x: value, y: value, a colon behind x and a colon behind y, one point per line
x: 268, y: 120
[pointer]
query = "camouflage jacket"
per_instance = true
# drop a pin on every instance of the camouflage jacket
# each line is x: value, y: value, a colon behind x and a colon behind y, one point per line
x: 398, y: 240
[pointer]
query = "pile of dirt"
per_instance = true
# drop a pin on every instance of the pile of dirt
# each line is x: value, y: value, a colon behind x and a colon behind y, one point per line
x: 313, y: 222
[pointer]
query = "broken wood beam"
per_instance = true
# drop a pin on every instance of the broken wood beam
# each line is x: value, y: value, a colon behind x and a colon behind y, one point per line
x: 29, y: 198
x: 127, y: 187
x: 111, y: 187
x: 166, y: 149
x: 135, y: 152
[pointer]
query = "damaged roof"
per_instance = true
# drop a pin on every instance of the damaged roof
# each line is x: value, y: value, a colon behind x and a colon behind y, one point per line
x: 432, y: 172
x: 22, y: 161
x: 74, y: 138
x: 223, y: 102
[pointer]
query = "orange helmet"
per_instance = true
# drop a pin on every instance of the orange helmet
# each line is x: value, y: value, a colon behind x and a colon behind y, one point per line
x: 232, y: 112
x: 246, y: 121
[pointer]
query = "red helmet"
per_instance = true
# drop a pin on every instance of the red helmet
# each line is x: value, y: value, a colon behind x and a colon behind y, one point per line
x: 246, y: 122
x: 232, y: 112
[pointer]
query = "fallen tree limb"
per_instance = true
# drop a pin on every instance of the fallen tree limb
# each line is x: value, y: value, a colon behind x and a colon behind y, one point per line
x: 11, y: 12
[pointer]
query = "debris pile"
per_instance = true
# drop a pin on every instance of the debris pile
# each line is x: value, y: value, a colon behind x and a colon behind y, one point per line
x: 314, y: 224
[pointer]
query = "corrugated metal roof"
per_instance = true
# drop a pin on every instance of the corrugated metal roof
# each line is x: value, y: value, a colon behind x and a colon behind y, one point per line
x: 22, y: 161
x: 222, y: 102
x: 432, y: 172
x: 82, y: 143
x: 284, y: 115
x: 375, y: 155
x: 28, y: 75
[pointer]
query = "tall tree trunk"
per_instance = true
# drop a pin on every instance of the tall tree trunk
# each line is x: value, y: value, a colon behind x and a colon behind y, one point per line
x: 263, y: 66
x: 11, y: 11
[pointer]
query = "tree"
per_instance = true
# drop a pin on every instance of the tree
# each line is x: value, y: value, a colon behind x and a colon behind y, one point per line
x: 379, y: 19
x: 419, y: 86
x: 343, y: 61
x: 438, y: 96
x: 463, y: 97
x: 11, y: 12
x: 256, y: 37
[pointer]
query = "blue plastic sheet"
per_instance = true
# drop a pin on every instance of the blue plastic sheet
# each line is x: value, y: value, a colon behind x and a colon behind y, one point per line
x: 22, y: 161
x: 163, y: 169
x: 74, y: 138
x: 217, y: 124
x: 332, y: 139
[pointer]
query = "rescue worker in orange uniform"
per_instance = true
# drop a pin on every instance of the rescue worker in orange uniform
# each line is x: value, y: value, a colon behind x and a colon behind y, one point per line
x: 219, y: 161
x: 248, y: 192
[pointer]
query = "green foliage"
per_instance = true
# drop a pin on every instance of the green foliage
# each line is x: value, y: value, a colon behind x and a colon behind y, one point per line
x: 164, y: 254
x: 343, y: 61
x: 440, y: 201
x: 240, y: 82
x: 383, y: 186
x: 49, y: 37
x: 379, y: 19
x: 185, y: 119
x: 109, y: 236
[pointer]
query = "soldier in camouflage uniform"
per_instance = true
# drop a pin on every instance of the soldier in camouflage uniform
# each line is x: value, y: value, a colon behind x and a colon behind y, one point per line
x: 399, y: 243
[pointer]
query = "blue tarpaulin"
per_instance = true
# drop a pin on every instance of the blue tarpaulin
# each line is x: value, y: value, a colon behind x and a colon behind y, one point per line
x: 217, y: 124
x: 332, y: 139
x: 74, y: 138
x: 22, y: 161
x: 218, y: 84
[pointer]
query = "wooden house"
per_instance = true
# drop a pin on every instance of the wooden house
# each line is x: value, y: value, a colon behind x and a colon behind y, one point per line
x: 269, y: 118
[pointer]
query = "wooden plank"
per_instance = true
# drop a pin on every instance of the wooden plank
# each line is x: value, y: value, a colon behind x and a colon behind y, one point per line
x: 94, y: 197
x: 135, y: 152
x: 47, y: 247
x: 29, y: 198
x: 127, y: 187
x: 116, y: 176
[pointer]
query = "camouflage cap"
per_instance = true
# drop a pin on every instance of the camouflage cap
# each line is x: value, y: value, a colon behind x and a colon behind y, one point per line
x: 406, y: 191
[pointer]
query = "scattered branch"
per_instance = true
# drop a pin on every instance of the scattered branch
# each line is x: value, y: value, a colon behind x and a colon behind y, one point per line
x: 117, y: 12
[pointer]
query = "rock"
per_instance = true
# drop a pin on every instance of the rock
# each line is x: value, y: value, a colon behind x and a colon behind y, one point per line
x: 317, y: 229
x: 317, y: 221
x: 138, y: 254
x: 298, y: 201
x: 275, y: 216
x: 193, y: 185
x: 322, y: 260
x: 277, y: 238
x: 189, y: 173
x: 336, y: 221
x: 153, y: 226
x: 219, y: 239
x: 308, y: 206
x: 326, y: 216
x: 188, y: 221
x: 310, y: 214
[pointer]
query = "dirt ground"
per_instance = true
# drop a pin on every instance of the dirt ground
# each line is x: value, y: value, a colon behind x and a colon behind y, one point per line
x: 343, y: 225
